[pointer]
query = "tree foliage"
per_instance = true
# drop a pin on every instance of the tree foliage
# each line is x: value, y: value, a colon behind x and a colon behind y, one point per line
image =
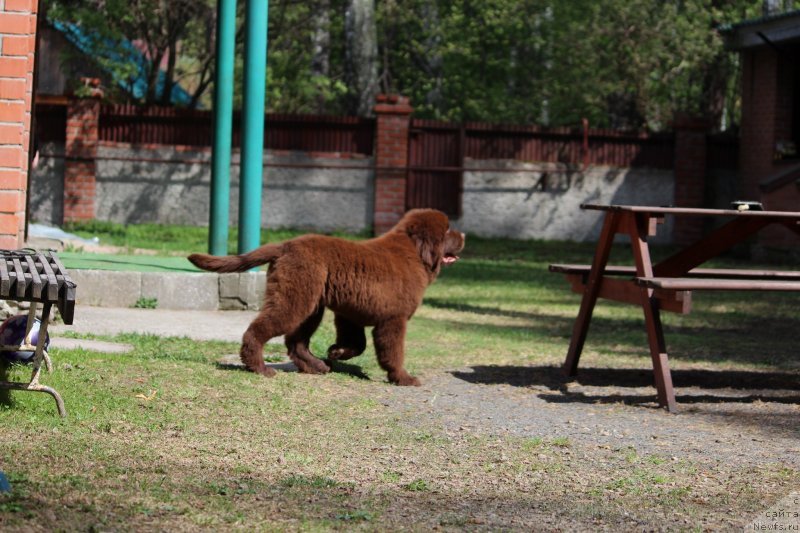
x: 619, y: 63
x: 142, y: 39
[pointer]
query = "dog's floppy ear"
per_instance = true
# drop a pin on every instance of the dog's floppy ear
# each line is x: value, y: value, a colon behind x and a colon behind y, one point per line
x: 428, y: 236
x: 431, y: 252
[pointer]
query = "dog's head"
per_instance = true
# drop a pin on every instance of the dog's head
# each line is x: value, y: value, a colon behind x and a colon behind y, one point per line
x: 436, y: 243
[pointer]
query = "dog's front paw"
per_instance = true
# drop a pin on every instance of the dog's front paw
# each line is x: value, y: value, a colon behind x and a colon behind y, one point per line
x: 320, y: 366
x: 266, y: 371
x: 405, y: 380
x: 311, y: 365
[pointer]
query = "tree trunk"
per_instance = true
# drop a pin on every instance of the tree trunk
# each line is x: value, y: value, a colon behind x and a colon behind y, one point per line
x: 361, y: 56
x: 321, y: 41
x: 169, y: 75
x: 152, y: 76
x: 433, y: 55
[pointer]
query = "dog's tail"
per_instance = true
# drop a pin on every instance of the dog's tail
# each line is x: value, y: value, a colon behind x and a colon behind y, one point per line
x: 237, y: 263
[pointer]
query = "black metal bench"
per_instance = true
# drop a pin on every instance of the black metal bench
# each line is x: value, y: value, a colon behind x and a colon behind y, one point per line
x: 38, y: 278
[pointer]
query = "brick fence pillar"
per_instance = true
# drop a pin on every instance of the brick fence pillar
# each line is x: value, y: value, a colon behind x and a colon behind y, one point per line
x: 690, y: 175
x: 80, y: 169
x: 391, y: 160
x: 17, y: 45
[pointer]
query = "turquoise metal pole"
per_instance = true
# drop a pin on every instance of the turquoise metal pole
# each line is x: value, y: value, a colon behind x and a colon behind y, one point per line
x: 255, y: 69
x: 223, y: 127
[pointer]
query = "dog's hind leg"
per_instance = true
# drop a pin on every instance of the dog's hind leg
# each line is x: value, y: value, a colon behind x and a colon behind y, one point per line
x: 292, y: 308
x: 262, y: 329
x: 350, y: 340
x: 298, y: 344
x: 284, y: 313
x: 389, y: 338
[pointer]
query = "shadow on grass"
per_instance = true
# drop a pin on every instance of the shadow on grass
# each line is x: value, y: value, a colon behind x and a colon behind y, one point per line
x: 5, y: 394
x: 753, y: 384
x: 437, y: 303
x: 287, y: 366
x: 709, y: 336
x: 349, y: 369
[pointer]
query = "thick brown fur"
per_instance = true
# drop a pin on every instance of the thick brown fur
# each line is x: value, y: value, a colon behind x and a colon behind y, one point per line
x: 379, y: 283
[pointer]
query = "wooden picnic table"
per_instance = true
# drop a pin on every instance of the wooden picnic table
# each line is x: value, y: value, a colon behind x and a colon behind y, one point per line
x: 668, y: 284
x: 39, y: 278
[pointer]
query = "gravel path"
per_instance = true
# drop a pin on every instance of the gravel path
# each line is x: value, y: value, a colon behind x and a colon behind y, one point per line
x: 741, y: 426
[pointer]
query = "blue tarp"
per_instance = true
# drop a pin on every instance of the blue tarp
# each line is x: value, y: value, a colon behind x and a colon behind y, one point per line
x: 121, y: 52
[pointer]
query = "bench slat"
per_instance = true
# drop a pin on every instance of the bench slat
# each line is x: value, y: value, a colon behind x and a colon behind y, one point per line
x: 52, y: 282
x: 22, y: 280
x: 5, y: 279
x: 689, y: 284
x: 36, y: 281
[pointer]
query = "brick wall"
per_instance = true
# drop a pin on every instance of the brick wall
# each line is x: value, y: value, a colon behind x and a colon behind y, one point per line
x: 691, y: 170
x: 80, y: 169
x: 17, y: 45
x: 758, y: 128
x: 391, y: 159
x: 767, y: 100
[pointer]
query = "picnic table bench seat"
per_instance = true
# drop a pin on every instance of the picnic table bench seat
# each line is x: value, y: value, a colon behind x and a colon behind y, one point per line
x: 37, y: 277
x: 721, y: 273
x: 674, y: 293
x: 719, y: 284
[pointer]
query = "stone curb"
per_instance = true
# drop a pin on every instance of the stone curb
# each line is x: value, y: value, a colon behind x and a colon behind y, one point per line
x: 170, y: 290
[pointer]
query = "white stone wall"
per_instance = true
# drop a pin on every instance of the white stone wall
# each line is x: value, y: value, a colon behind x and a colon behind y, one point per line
x: 503, y: 198
x: 136, y: 185
x: 46, y: 193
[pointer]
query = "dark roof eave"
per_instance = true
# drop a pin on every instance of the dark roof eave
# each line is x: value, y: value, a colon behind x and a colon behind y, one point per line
x: 765, y: 31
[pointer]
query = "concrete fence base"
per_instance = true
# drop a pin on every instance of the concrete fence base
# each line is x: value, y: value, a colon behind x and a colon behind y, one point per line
x: 200, y: 291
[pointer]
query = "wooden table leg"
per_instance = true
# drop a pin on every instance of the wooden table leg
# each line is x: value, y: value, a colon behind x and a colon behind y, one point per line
x: 638, y: 230
x: 658, y: 353
x: 590, y: 293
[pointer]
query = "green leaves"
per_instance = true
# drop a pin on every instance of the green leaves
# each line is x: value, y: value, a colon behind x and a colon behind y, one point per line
x: 619, y: 63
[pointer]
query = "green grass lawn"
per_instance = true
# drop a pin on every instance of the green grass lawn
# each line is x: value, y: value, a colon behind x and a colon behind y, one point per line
x: 169, y: 239
x: 164, y: 438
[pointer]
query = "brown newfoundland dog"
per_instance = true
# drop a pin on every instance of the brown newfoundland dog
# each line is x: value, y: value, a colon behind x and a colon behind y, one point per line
x: 378, y: 282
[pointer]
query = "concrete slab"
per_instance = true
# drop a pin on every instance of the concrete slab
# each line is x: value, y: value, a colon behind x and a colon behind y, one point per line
x: 197, y: 325
x: 107, y: 288
x: 181, y: 291
x: 63, y: 343
x: 170, y: 290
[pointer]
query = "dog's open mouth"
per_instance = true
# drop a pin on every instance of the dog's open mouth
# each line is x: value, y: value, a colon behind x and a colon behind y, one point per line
x: 450, y: 259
